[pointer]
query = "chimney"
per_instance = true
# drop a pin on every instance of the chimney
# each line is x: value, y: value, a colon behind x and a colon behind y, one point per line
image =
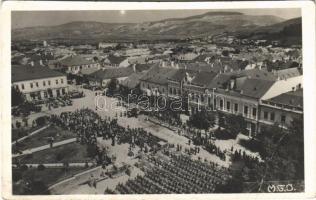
x: 163, y: 64
x: 232, y: 83
x: 134, y: 68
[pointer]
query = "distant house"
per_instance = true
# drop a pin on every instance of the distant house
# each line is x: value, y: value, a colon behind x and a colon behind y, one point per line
x: 186, y: 56
x: 38, y: 82
x: 74, y: 64
x: 137, y: 52
x: 155, y: 81
x: 133, y: 80
x: 104, y: 45
x: 103, y: 76
x: 116, y: 61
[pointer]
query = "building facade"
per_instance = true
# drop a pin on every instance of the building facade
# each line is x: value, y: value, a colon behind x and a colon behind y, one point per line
x: 38, y: 83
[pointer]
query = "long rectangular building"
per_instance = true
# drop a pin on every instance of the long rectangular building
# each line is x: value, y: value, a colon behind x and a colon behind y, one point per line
x: 39, y: 82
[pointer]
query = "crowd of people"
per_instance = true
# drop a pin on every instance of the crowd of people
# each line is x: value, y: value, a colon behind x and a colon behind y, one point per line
x: 250, y: 161
x: 178, y: 174
x: 88, y: 125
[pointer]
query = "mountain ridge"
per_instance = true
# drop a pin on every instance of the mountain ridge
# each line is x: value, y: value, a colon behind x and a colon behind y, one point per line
x: 206, y: 24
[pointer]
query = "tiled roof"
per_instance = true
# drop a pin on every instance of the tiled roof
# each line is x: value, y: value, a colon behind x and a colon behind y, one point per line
x: 203, y: 78
x: 258, y: 74
x: 133, y: 80
x: 158, y: 75
x: 219, y: 80
x: 142, y: 67
x: 23, y: 73
x: 75, y: 61
x: 255, y: 88
x: 293, y: 98
x: 288, y: 73
x: 109, y: 73
x: 87, y: 71
x: 180, y: 74
x: 116, y: 59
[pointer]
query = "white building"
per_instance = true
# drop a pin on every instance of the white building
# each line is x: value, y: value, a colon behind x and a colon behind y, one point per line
x: 38, y: 82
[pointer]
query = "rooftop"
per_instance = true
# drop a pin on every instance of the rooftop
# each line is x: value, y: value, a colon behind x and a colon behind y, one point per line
x: 25, y: 73
x: 292, y: 98
x: 109, y: 73
x: 116, y: 59
x: 75, y: 61
x: 159, y: 75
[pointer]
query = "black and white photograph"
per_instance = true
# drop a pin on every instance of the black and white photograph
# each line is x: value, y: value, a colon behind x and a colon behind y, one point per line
x: 182, y: 101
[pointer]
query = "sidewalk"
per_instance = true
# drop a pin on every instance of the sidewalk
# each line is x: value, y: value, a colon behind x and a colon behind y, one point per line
x: 41, y: 148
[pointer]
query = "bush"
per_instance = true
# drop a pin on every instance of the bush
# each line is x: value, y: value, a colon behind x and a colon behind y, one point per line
x: 16, y: 176
x: 41, y: 121
x: 24, y: 167
x: 18, y: 124
x: 41, y: 167
x: 252, y: 145
x: 223, y: 134
x: 60, y: 156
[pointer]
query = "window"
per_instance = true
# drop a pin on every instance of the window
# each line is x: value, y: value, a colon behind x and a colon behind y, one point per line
x: 56, y: 81
x: 283, y: 118
x: 214, y: 103
x: 236, y: 107
x: 62, y: 81
x: 265, y: 115
x: 48, y: 82
x: 31, y: 85
x: 254, y: 112
x: 44, y: 83
x: 272, y: 116
x: 170, y: 90
x: 36, y: 84
x: 221, y: 102
x: 246, y: 110
x: 22, y: 86
x: 228, y: 105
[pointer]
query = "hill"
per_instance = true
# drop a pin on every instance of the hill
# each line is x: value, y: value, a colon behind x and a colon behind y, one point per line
x: 287, y: 32
x: 177, y: 28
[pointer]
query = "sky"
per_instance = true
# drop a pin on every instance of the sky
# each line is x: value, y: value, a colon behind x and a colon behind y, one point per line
x: 21, y: 19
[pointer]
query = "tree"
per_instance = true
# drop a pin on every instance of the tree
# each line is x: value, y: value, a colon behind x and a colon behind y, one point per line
x: 283, y: 153
x: 235, y: 124
x: 225, y: 53
x: 112, y: 85
x: 96, y: 59
x: 202, y: 120
x: 37, y: 187
x: 17, y: 98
